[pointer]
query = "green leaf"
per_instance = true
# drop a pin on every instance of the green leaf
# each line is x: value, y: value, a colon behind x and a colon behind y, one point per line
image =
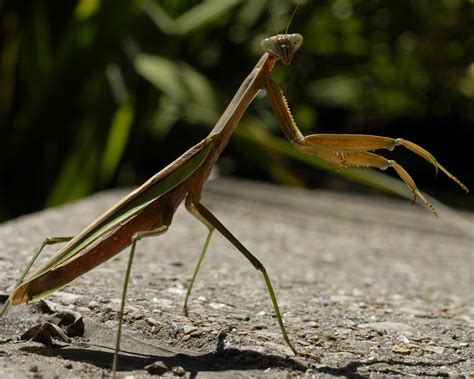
x: 202, y: 14
x: 117, y: 140
x: 186, y: 87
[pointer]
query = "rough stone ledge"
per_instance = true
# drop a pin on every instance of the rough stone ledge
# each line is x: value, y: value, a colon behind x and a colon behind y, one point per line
x: 374, y: 286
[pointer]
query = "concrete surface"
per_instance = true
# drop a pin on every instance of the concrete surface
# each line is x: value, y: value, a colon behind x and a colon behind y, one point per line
x: 373, y: 286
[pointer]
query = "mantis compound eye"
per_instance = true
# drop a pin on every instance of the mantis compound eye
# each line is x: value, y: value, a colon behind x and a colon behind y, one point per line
x: 283, y: 46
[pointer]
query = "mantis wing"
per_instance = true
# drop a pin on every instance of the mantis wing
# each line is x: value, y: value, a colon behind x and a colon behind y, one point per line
x: 130, y: 206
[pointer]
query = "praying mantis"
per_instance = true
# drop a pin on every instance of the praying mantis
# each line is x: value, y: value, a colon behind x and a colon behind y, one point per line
x: 148, y: 210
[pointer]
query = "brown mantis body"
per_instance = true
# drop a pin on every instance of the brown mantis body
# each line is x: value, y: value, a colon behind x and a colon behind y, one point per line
x: 149, y: 209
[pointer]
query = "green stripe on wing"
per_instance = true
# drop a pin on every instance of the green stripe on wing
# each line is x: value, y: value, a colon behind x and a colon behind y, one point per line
x: 128, y: 209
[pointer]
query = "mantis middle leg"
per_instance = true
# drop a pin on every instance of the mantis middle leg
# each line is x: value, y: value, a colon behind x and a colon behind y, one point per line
x: 136, y: 237
x: 46, y: 242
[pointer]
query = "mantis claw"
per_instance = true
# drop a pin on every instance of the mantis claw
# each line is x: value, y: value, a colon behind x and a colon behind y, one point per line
x: 431, y: 159
x: 410, y: 183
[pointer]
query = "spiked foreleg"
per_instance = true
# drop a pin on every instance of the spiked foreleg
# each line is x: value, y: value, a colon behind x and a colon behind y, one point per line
x: 371, y: 160
x: 349, y: 150
x: 352, y: 143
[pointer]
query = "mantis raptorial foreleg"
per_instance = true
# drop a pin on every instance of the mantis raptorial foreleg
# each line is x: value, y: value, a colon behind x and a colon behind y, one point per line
x: 46, y: 242
x: 136, y: 237
x: 202, y: 213
x: 349, y: 150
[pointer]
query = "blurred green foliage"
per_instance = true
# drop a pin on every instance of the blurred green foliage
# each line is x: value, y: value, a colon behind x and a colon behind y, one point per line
x: 100, y: 93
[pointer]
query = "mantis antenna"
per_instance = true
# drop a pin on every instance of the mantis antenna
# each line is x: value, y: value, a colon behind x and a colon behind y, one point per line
x: 291, y: 18
x: 272, y: 16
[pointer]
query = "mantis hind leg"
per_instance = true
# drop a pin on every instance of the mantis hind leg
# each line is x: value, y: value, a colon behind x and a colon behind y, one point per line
x: 191, y: 209
x: 46, y: 242
x: 136, y: 237
x: 202, y: 213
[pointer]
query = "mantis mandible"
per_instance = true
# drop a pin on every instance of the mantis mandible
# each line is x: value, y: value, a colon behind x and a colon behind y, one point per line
x: 148, y: 210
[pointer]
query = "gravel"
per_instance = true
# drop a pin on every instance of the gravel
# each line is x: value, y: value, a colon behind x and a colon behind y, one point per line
x: 372, y: 286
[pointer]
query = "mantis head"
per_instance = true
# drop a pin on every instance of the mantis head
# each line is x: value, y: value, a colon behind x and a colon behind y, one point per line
x: 283, y: 46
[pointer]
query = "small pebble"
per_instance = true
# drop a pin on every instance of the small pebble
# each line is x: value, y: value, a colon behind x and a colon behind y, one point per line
x: 218, y: 305
x: 399, y: 349
x: 179, y: 371
x: 435, y: 349
x: 151, y: 321
x: 404, y: 339
x: 140, y: 324
x: 389, y: 327
x: 189, y: 329
x: 241, y: 317
x: 176, y: 290
x: 157, y: 368
x: 67, y: 297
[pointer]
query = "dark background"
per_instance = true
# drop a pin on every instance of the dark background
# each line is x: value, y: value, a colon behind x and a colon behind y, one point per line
x: 97, y: 94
